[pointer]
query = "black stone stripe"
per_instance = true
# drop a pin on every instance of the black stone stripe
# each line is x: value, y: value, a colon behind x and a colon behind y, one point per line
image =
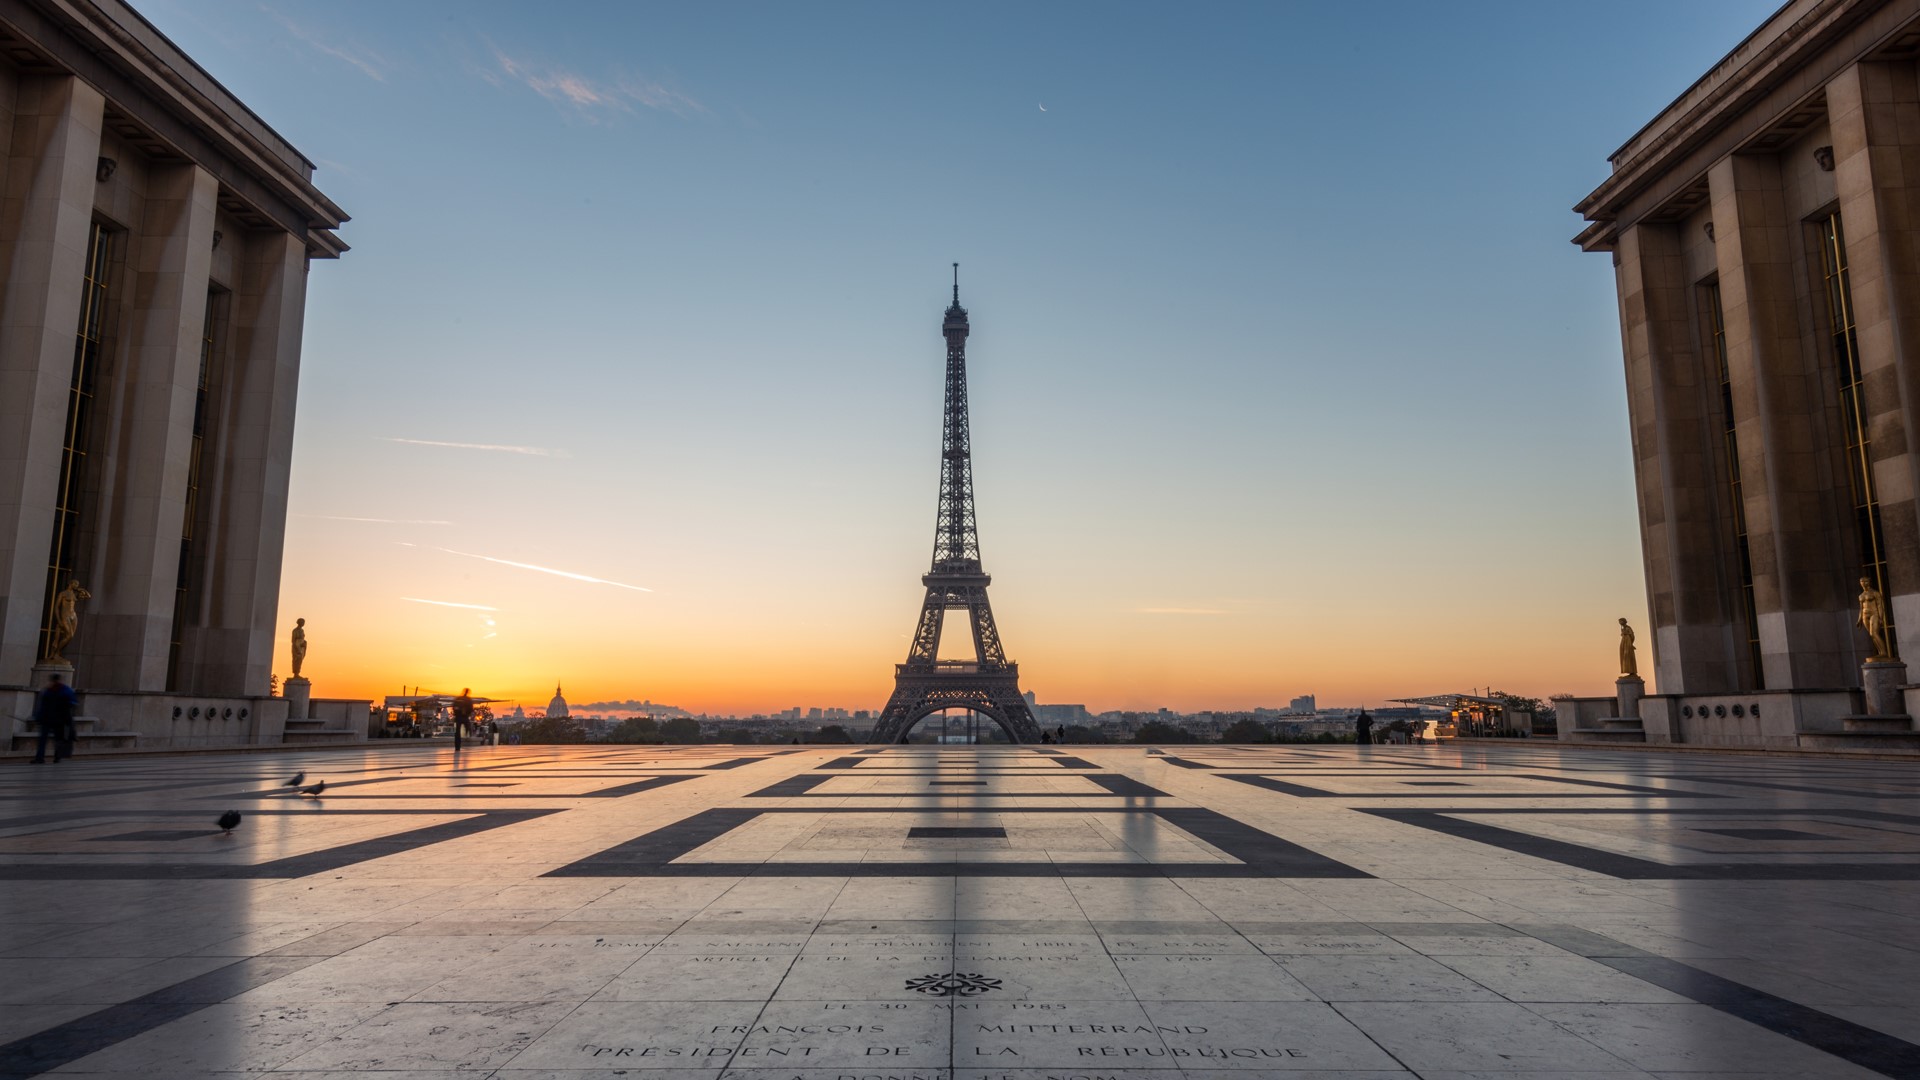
x: 1851, y: 793
x: 792, y: 785
x: 1125, y: 785
x: 1260, y: 850
x: 937, y: 868
x: 647, y: 853
x: 1628, y: 867
x: 1863, y: 1046
x: 614, y: 792
x: 1845, y: 1039
x: 1068, y: 761
x: 1261, y: 854
x: 291, y: 867
x: 75, y: 1039
x: 1304, y: 792
x: 995, y: 800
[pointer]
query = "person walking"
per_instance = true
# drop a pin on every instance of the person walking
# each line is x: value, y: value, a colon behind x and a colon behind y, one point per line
x: 1363, y: 729
x: 462, y: 715
x: 53, y: 713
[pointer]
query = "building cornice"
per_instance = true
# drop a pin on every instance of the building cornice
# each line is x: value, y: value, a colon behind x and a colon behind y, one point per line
x: 1780, y: 68
x: 110, y: 46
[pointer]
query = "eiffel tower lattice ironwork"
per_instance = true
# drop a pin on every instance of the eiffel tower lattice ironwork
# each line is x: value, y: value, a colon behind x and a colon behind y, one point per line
x: 989, y: 684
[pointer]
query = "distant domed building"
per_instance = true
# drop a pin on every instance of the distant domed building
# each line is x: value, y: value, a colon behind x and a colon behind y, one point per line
x: 557, y: 708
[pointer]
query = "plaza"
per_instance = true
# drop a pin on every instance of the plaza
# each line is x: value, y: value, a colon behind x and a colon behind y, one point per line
x: 962, y: 913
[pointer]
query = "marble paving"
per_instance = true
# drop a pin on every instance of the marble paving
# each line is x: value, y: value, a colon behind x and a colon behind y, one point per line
x: 957, y: 913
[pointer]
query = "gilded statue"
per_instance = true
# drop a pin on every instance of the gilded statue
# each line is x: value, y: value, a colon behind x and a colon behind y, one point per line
x: 299, y: 645
x: 1629, y: 666
x: 66, y: 620
x: 1873, y: 619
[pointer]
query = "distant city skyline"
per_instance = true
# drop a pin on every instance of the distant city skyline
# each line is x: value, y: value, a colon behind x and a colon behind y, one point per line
x: 1284, y: 373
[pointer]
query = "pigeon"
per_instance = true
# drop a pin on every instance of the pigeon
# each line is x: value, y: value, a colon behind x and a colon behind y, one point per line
x: 313, y: 789
x: 229, y: 821
x: 298, y: 779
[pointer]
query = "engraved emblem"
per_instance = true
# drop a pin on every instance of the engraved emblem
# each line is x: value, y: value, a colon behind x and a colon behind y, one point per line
x: 953, y: 984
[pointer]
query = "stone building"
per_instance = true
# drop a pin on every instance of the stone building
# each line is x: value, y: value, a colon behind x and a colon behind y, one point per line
x: 155, y: 239
x: 1765, y: 237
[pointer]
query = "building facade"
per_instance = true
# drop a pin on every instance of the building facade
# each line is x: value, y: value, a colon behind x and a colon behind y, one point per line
x: 1765, y: 236
x: 155, y: 238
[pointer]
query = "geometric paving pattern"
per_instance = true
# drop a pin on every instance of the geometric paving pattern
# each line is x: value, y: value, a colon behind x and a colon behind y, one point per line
x: 962, y: 913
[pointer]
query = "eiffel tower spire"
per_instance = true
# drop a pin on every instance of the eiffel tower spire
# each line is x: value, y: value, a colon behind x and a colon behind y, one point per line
x: 989, y: 684
x: 956, y: 536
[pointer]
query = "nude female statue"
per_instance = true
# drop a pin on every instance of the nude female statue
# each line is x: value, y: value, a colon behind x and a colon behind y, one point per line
x: 66, y: 619
x: 1873, y: 619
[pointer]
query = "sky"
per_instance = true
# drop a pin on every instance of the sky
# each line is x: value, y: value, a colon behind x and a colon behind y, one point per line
x: 1285, y: 376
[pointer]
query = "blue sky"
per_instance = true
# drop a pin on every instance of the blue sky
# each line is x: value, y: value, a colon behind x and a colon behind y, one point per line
x: 1286, y: 376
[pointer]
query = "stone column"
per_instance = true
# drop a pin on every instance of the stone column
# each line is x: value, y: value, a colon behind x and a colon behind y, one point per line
x: 44, y: 218
x: 1675, y: 474
x: 144, y: 489
x: 1873, y: 111
x: 233, y: 652
x: 1793, y: 519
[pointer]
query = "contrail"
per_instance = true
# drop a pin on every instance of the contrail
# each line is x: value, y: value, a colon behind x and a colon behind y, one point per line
x: 546, y: 570
x: 449, y: 603
x: 536, y: 451
x: 372, y: 521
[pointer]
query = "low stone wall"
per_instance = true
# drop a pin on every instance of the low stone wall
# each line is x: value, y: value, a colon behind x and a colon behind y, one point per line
x: 1570, y: 713
x: 1760, y: 719
x: 1757, y: 719
x: 124, y: 722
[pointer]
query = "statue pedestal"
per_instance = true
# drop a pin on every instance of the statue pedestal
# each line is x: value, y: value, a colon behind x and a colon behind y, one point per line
x: 1882, y: 680
x: 298, y: 692
x: 46, y: 669
x: 1628, y: 690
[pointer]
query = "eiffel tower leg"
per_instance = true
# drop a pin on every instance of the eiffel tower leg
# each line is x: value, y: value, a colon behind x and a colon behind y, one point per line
x: 1019, y: 718
x: 898, y: 716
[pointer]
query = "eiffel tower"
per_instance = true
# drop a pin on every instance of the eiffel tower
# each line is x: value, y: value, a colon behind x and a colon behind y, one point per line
x: 988, y: 684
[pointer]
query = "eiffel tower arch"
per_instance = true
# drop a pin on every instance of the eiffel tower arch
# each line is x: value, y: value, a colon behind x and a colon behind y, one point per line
x: 988, y: 684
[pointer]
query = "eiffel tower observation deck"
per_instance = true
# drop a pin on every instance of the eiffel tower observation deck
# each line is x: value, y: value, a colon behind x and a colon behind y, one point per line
x: 989, y: 683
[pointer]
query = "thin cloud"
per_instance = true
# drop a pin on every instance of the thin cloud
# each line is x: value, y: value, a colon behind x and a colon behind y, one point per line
x: 546, y: 570
x: 374, y: 521
x: 588, y: 95
x: 371, y: 64
x: 1181, y: 611
x: 450, y: 603
x: 534, y: 451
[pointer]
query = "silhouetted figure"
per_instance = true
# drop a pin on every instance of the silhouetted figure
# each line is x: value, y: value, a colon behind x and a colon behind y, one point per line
x: 53, y: 714
x: 229, y: 821
x: 1363, y: 729
x: 462, y: 715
